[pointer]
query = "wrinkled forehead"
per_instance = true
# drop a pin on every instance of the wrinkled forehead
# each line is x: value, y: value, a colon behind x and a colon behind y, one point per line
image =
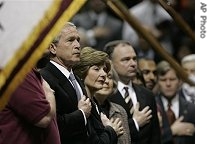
x: 189, y: 63
x: 124, y: 50
x: 147, y: 63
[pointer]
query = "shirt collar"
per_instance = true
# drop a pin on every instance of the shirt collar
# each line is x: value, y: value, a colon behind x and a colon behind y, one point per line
x: 174, y: 100
x: 122, y: 85
x: 62, y: 69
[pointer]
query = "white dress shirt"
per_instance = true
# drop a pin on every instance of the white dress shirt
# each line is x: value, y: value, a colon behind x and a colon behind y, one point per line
x: 67, y: 73
x: 174, y: 105
x: 131, y: 91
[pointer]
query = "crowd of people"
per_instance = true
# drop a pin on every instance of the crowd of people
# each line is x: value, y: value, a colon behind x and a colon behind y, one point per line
x: 91, y: 88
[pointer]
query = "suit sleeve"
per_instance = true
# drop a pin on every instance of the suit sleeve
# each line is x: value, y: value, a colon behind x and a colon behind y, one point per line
x: 105, y: 136
x: 133, y: 131
x: 100, y: 134
x: 29, y: 100
x: 70, y: 120
x: 156, y: 133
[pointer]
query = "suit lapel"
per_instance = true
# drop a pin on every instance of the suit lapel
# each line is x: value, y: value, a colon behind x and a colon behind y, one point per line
x: 120, y: 100
x: 140, y: 97
x: 163, y: 113
x: 63, y: 82
x: 183, y: 107
x: 81, y: 85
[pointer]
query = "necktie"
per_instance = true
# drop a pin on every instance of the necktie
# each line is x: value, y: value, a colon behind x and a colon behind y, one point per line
x: 73, y: 80
x: 128, y: 100
x: 170, y: 114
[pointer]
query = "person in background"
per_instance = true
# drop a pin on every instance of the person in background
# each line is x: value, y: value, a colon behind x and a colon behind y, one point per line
x: 72, y: 104
x: 138, y: 101
x: 157, y: 21
x: 149, y: 72
x: 178, y: 115
x: 139, y: 79
x: 29, y: 117
x: 92, y: 70
x: 96, y: 25
x: 113, y: 110
x: 187, y: 91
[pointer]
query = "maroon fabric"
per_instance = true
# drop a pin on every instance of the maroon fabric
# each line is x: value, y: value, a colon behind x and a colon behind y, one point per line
x: 25, y: 108
x: 63, y: 6
x: 170, y: 114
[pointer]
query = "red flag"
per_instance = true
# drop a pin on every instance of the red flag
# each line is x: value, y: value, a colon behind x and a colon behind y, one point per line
x: 26, y: 30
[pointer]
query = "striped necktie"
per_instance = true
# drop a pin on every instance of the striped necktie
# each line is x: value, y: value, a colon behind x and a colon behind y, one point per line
x: 74, y: 82
x: 128, y: 100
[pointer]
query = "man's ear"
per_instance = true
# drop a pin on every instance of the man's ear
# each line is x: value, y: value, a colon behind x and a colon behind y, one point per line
x: 52, y: 48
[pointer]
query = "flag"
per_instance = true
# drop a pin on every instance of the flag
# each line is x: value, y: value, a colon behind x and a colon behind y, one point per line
x: 26, y: 30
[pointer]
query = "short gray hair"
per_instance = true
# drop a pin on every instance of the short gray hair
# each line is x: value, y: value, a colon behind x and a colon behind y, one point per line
x: 188, y: 58
x: 58, y: 36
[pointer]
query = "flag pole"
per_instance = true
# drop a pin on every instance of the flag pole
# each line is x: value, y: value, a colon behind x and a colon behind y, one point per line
x: 121, y: 10
x: 178, y: 19
x: 11, y: 77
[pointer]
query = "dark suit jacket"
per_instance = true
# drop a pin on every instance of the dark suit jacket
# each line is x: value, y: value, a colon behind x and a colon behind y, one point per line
x: 187, y: 110
x: 98, y: 133
x: 150, y: 133
x: 70, y: 120
x: 181, y: 94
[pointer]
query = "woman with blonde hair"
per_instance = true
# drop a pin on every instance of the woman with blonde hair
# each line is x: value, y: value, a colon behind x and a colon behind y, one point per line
x: 113, y: 110
x: 92, y: 69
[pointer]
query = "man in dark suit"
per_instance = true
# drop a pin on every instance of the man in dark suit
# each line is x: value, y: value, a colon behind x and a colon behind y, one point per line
x: 138, y: 102
x: 72, y: 106
x: 178, y: 115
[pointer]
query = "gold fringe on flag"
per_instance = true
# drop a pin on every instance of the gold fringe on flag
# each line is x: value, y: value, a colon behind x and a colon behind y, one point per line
x: 31, y: 61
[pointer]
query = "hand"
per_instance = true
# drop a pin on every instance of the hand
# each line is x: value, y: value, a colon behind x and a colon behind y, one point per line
x: 160, y: 119
x: 117, y: 126
x: 85, y: 105
x: 180, y: 128
x: 142, y: 117
x: 49, y: 95
x: 47, y: 89
x: 105, y: 120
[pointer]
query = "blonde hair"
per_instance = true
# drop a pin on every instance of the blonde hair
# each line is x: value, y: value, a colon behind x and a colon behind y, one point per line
x: 89, y: 57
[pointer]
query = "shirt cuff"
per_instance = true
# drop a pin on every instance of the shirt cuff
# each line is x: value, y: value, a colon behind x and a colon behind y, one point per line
x: 84, y: 116
x: 136, y: 124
